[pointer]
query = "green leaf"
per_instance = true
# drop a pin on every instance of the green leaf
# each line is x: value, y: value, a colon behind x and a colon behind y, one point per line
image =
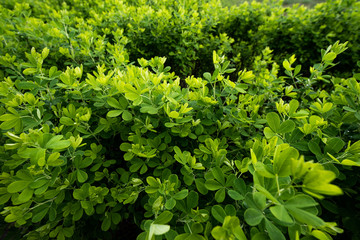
x: 212, y: 185
x: 286, y: 65
x: 219, y: 232
x: 273, y: 231
x: 174, y: 114
x: 170, y: 203
x: 321, y: 235
x: 334, y: 145
x: 54, y: 160
x: 314, y: 147
x: 152, y: 181
x: 38, y: 183
x: 218, y: 213
x: 106, y: 224
x: 125, y: 146
x: 200, y: 185
x: 287, y: 126
x: 354, y: 148
x: 26, y: 195
x: 164, y: 217
x: 259, y: 200
x: 17, y: 186
x: 282, y: 160
x: 159, y: 229
x: 273, y: 120
x: 81, y: 175
x: 149, y: 109
x: 266, y: 193
x: 220, y: 195
x: 181, y: 195
x: 281, y: 213
x: 68, y: 232
x: 253, y: 216
x: 127, y: 116
x: 305, y: 217
x: 131, y: 93
x: 293, y: 106
x: 297, y: 69
x: 8, y: 117
x: 29, y: 71
x: 56, y: 143
x: 263, y: 170
x: 40, y: 215
x: 197, y: 227
x: 114, y: 113
x: 52, y: 214
x: 114, y: 103
x: 116, y: 218
x: 268, y: 133
x: 67, y: 121
x: 317, y: 181
x: 207, y: 76
x: 85, y: 162
x: 10, y: 122
x: 192, y: 199
x: 218, y: 175
x: 301, y: 201
x: 45, y: 53
x: 235, y: 195
x: 79, y: 194
x: 4, y: 198
x: 348, y: 162
x: 329, y: 57
x: 240, y: 186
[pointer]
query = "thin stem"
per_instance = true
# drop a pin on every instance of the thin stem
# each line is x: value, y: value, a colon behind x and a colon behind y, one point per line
x: 277, y: 184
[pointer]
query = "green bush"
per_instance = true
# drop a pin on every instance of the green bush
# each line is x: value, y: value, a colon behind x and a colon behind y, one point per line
x: 131, y: 143
x: 185, y: 32
x: 89, y: 137
x: 293, y: 30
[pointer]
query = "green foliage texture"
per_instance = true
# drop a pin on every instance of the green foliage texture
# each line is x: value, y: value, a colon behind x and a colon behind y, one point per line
x: 97, y: 130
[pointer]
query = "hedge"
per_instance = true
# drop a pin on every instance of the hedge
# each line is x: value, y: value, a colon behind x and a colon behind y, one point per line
x: 99, y: 130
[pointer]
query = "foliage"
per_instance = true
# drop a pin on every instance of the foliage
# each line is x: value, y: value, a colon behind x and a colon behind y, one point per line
x: 185, y: 32
x: 293, y: 30
x: 89, y: 138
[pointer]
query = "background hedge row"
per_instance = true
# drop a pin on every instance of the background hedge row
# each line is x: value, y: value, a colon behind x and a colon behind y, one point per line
x: 186, y: 32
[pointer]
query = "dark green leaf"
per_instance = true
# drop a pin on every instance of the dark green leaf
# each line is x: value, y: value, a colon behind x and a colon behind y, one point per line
x: 81, y: 175
x: 200, y: 185
x: 170, y: 203
x: 218, y: 213
x: 40, y: 215
x: 235, y: 195
x: 220, y: 195
x: 334, y: 145
x: 106, y: 224
x: 253, y: 216
x: 273, y: 231
x: 218, y: 175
